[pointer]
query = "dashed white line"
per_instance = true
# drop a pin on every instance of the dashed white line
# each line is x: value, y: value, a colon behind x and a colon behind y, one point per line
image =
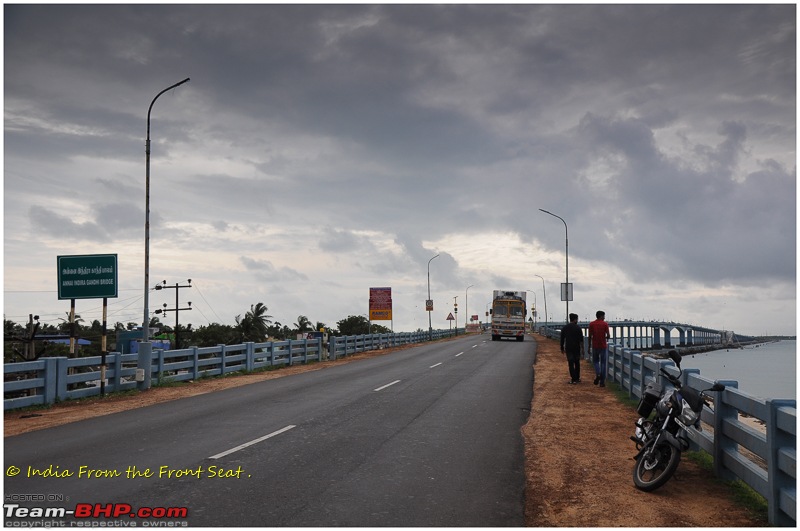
x: 460, y: 353
x: 436, y: 365
x: 473, y: 346
x: 251, y: 443
x: 381, y: 388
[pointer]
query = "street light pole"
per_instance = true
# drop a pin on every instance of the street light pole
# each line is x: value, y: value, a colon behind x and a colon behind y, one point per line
x: 466, y: 307
x: 430, y: 326
x: 146, y: 321
x: 534, y: 308
x: 566, y: 295
x: 544, y: 291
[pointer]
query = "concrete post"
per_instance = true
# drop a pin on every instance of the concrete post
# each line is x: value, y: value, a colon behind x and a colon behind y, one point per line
x: 145, y: 364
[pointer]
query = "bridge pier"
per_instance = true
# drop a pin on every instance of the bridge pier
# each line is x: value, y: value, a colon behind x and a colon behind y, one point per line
x: 657, y: 335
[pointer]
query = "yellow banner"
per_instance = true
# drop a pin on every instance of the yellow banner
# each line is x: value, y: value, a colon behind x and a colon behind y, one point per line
x: 380, y: 315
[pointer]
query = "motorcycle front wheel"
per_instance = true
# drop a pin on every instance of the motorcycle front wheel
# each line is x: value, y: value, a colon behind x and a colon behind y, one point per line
x: 653, y: 469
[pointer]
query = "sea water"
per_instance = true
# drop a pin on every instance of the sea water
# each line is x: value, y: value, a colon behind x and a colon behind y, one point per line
x: 768, y: 370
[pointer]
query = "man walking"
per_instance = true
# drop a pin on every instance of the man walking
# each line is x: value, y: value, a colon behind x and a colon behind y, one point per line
x: 598, y: 341
x: 572, y: 346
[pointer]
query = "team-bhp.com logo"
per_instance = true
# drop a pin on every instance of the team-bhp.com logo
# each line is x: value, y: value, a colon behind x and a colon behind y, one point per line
x: 95, y: 510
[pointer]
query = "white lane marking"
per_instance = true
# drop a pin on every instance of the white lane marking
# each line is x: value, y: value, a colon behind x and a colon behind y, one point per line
x: 473, y: 346
x: 460, y: 353
x: 432, y: 366
x: 381, y: 388
x: 251, y: 443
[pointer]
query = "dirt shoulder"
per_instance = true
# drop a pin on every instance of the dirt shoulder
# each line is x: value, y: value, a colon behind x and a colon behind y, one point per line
x: 578, y: 458
x: 579, y: 462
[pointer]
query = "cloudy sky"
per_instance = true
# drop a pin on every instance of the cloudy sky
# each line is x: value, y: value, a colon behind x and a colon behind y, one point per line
x: 322, y: 150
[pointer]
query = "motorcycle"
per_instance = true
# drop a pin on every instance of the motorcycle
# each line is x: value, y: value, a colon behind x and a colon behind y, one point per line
x: 661, y: 440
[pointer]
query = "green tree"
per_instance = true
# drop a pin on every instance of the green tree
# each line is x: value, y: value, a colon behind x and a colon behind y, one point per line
x: 214, y: 334
x: 302, y: 324
x: 353, y: 325
x: 275, y: 331
x: 64, y: 326
x: 380, y: 329
x: 253, y: 326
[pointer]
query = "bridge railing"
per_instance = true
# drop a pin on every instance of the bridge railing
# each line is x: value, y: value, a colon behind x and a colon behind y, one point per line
x: 50, y: 380
x: 348, y: 345
x: 764, y: 460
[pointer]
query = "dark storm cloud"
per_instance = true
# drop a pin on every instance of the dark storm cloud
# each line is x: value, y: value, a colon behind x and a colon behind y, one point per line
x: 703, y: 217
x: 663, y: 134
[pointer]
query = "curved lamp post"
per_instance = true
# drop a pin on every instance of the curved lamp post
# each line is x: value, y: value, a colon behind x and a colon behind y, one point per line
x: 534, y: 308
x: 567, y: 257
x: 430, y: 326
x: 466, y: 307
x: 146, y: 323
x: 545, y: 300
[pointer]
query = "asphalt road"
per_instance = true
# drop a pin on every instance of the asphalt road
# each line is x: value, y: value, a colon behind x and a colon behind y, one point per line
x: 428, y: 436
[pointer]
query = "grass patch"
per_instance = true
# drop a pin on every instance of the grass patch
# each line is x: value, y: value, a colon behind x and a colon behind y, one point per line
x: 622, y: 395
x: 742, y: 493
x: 166, y: 381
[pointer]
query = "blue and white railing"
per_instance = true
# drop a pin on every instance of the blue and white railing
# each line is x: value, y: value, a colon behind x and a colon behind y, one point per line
x: 48, y: 380
x: 731, y: 442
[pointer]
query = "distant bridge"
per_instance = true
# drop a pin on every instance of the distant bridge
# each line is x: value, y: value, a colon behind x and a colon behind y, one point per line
x: 658, y: 334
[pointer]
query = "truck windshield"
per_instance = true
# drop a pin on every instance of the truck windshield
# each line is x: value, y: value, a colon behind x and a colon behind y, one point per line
x: 500, y: 310
x: 516, y: 310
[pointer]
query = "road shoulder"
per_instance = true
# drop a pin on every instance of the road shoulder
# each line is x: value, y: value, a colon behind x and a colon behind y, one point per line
x: 579, y: 462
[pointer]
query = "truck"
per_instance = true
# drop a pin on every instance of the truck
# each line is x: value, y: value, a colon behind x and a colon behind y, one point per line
x: 508, y: 314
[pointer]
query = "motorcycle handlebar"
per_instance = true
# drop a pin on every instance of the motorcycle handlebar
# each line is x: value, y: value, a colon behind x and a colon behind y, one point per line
x: 674, y: 381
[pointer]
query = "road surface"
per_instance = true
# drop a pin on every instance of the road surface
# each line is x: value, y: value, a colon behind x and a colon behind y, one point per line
x: 428, y: 436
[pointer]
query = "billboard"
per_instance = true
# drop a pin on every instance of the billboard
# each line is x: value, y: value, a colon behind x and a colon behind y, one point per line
x: 380, y: 304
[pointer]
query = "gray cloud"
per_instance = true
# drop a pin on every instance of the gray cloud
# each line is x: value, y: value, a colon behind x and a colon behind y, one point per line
x: 663, y: 134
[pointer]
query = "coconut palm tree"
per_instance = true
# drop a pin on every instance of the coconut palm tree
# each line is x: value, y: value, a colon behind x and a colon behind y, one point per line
x: 253, y: 326
x: 303, y: 324
x: 64, y: 326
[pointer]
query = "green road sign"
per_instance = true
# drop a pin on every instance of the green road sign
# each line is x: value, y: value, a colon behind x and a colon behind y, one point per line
x: 88, y: 276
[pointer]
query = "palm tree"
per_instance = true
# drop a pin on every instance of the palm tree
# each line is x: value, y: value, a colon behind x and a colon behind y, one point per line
x: 253, y: 327
x: 64, y: 326
x: 302, y: 324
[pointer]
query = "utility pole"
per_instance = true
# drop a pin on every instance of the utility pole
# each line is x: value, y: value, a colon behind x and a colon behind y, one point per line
x: 177, y: 287
x: 429, y: 302
x: 455, y: 309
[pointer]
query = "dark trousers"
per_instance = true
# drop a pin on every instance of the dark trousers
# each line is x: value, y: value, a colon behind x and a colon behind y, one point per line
x: 574, y: 367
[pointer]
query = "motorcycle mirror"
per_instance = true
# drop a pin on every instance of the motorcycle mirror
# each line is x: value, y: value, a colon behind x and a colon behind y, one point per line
x: 718, y: 387
x: 674, y: 356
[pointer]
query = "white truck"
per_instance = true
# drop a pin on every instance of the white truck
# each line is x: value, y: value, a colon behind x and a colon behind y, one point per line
x: 508, y: 314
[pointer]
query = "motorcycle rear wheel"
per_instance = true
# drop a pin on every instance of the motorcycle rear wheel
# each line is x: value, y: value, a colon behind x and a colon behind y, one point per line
x: 651, y: 472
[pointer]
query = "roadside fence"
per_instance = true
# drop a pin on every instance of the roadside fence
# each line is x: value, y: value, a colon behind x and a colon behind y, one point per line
x: 49, y: 380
